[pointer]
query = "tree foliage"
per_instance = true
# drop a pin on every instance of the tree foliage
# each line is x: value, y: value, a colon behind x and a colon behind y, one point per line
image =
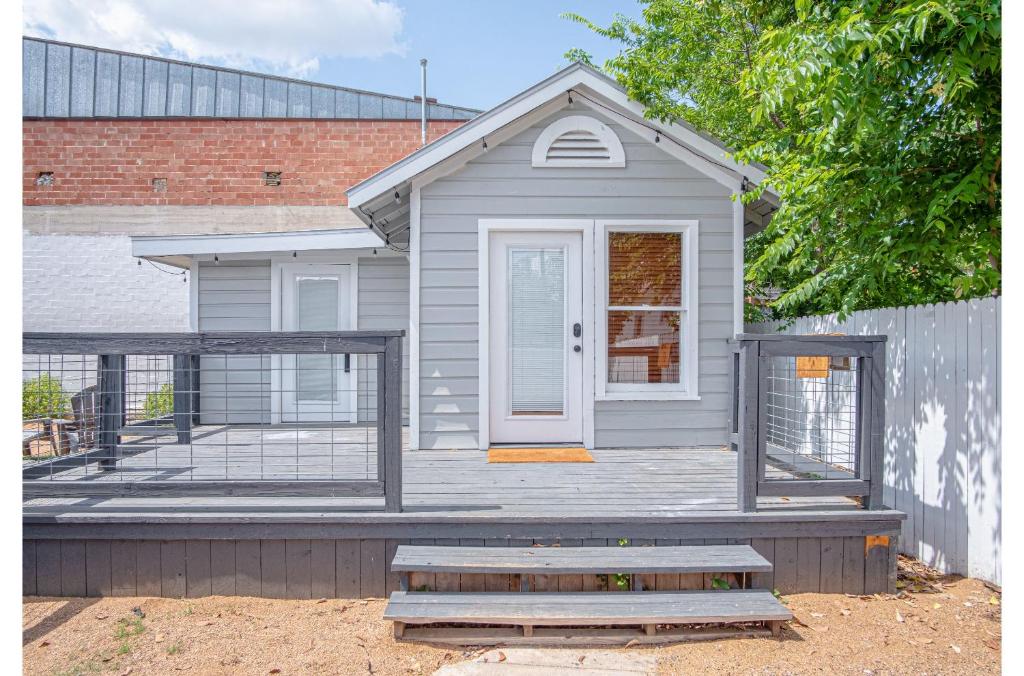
x: 879, y: 123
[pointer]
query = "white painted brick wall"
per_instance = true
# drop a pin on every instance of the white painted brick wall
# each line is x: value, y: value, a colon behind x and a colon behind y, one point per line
x: 92, y: 283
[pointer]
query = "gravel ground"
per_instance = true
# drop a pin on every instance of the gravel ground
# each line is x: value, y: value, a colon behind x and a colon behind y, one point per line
x: 934, y: 626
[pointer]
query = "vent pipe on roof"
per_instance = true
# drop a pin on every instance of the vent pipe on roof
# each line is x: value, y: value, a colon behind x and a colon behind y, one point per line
x: 423, y: 102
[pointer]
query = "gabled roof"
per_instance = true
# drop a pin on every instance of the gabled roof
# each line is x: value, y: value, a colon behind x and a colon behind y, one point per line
x: 382, y: 200
x: 62, y: 80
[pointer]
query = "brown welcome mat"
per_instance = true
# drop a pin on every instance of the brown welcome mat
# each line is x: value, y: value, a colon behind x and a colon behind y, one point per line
x: 539, y: 455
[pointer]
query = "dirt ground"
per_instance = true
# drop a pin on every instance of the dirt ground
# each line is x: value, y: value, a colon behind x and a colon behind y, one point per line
x: 933, y: 626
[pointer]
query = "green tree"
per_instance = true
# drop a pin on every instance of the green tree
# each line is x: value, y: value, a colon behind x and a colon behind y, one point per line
x: 44, y: 397
x: 879, y: 123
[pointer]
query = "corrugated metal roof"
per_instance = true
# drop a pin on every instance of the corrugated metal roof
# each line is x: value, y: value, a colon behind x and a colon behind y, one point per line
x: 65, y: 80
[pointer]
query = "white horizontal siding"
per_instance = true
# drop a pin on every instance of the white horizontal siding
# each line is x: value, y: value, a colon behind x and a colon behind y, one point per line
x: 503, y: 184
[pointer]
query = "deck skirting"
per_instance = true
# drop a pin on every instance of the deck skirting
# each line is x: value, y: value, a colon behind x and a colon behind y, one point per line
x: 360, y: 568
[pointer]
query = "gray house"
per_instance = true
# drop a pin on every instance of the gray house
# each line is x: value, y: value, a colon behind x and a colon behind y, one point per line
x: 568, y: 272
x: 559, y: 272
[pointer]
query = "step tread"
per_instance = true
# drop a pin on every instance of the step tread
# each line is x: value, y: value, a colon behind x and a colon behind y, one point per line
x: 561, y: 608
x: 579, y: 560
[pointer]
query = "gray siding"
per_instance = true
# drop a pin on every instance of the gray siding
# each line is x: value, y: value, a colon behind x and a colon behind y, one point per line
x: 383, y: 304
x: 502, y: 184
x: 236, y: 296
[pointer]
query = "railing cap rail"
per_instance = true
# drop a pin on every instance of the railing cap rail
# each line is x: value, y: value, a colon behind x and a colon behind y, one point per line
x: 213, y: 342
x: 806, y: 337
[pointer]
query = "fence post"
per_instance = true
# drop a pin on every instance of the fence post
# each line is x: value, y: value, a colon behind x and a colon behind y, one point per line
x: 389, y: 384
x: 748, y: 426
x: 874, y: 434
x: 183, y: 397
x: 111, y: 414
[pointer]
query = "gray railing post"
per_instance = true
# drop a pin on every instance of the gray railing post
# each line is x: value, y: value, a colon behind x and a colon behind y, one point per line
x: 748, y: 425
x: 392, y: 426
x: 111, y: 413
x: 389, y: 389
x: 194, y: 365
x: 183, y: 397
x: 874, y: 432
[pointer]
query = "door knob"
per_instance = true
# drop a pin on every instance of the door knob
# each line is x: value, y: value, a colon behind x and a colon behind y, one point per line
x: 577, y: 348
x: 577, y: 330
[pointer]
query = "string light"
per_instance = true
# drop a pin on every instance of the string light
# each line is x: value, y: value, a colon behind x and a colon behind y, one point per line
x: 485, y: 143
x: 216, y: 259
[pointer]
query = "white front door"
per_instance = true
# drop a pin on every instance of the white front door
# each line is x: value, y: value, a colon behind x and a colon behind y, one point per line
x: 316, y: 387
x: 536, y: 323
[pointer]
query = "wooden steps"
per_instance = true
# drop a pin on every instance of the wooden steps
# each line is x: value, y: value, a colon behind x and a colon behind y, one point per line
x: 579, y: 618
x: 579, y: 560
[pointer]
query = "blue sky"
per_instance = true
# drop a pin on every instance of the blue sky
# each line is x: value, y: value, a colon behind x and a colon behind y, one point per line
x: 480, y: 52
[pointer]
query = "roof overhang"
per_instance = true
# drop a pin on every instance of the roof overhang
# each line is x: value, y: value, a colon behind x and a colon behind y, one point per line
x: 382, y: 200
x: 179, y: 250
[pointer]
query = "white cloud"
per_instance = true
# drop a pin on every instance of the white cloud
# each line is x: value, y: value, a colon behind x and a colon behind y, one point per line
x: 282, y: 36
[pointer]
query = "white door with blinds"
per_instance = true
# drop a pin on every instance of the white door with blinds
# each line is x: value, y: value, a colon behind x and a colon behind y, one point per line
x: 317, y: 387
x: 536, y: 342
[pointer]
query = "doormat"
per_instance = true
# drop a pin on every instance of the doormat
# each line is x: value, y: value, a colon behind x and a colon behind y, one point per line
x: 539, y: 455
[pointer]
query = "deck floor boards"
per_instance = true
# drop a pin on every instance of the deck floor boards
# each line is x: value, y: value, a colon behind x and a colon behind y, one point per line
x: 625, y: 482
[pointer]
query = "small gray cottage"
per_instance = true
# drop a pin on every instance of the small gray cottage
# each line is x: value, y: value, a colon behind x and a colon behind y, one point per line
x: 568, y: 272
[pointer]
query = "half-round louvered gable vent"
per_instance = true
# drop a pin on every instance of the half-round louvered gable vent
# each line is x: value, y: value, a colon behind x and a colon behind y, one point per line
x: 578, y: 141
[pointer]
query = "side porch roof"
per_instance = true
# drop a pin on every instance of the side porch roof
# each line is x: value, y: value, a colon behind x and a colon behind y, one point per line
x: 382, y: 201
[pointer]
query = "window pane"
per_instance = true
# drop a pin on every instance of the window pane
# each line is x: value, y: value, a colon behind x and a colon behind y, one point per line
x: 316, y: 309
x: 536, y: 331
x: 643, y: 346
x: 645, y: 268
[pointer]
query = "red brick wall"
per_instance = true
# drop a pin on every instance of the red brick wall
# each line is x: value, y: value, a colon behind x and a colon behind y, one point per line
x: 210, y: 162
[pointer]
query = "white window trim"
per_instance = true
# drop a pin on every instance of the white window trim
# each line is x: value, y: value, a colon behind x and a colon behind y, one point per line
x: 686, y: 390
x: 617, y: 156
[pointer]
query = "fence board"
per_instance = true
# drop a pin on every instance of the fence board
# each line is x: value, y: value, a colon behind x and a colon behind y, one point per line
x: 943, y: 426
x: 222, y: 567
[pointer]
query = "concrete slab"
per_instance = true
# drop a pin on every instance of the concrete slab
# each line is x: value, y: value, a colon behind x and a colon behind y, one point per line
x: 541, y: 662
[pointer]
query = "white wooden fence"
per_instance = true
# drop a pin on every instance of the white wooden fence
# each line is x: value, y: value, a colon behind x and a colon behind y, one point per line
x: 943, y: 426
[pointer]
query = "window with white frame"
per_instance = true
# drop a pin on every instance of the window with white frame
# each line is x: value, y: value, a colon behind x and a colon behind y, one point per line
x: 647, y: 342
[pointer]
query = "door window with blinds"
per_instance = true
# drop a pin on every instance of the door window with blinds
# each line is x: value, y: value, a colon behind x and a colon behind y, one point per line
x: 536, y: 330
x: 648, y: 346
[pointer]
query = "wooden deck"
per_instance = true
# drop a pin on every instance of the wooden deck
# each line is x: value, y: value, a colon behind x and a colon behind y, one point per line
x: 446, y: 491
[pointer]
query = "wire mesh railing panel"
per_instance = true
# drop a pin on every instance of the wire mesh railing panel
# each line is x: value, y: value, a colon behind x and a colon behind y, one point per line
x: 280, y: 417
x: 811, y: 412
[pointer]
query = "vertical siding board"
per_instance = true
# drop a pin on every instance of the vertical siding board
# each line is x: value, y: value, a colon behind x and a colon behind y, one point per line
x: 148, y: 571
x: 766, y: 548
x: 33, y: 78
x: 98, y: 581
x: 348, y: 561
x: 72, y: 568
x: 58, y: 80
x: 876, y: 569
x: 273, y: 569
x: 28, y: 567
x: 372, y: 565
x: 222, y: 568
x: 198, y: 568
x: 831, y: 581
x: 853, y: 565
x: 83, y: 80
x: 248, y: 578
x: 48, y: 568
x: 123, y: 567
x: 173, y: 568
x: 322, y: 569
x: 786, y: 565
x: 391, y: 581
x: 298, y: 555
x: 808, y: 565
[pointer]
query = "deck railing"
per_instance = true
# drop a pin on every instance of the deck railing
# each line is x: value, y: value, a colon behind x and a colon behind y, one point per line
x: 265, y: 414
x: 808, y: 417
